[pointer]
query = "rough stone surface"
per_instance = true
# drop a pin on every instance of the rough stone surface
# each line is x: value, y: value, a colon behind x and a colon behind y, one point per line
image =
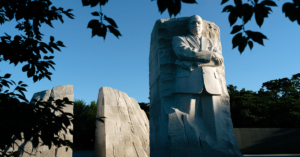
x: 58, y: 92
x: 125, y: 132
x: 172, y: 126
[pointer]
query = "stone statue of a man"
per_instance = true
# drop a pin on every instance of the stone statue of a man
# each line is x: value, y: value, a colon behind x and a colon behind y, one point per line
x: 197, y: 57
x: 189, y: 100
x: 197, y: 86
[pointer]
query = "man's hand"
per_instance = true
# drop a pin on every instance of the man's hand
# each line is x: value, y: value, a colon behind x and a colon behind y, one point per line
x: 184, y: 66
x: 219, y: 59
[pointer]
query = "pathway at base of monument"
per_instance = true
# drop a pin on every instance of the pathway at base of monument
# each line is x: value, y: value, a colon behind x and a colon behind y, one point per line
x: 90, y: 153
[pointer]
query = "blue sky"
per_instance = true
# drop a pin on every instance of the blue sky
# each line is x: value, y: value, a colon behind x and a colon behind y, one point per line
x: 90, y: 63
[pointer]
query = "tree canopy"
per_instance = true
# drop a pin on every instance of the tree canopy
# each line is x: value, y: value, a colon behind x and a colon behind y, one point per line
x: 85, y: 116
x: 22, y: 120
x: 276, y: 104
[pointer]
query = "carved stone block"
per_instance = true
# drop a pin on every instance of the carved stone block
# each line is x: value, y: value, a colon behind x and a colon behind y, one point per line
x: 125, y: 132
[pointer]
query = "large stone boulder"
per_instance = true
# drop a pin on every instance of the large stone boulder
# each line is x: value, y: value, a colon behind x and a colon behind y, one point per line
x: 125, y: 132
x: 59, y: 92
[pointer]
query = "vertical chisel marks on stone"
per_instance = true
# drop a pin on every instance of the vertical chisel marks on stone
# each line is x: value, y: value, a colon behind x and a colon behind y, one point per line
x: 113, y: 151
x: 56, y: 150
x: 184, y: 130
x: 201, y: 147
x: 127, y: 122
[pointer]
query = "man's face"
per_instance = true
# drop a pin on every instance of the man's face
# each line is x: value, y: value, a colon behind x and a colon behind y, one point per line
x: 195, y: 25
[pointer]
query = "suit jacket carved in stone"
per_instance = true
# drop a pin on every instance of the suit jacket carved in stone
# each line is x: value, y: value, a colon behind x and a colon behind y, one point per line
x: 198, y: 57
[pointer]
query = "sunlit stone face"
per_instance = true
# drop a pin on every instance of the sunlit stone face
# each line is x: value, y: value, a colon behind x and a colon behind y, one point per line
x: 195, y: 25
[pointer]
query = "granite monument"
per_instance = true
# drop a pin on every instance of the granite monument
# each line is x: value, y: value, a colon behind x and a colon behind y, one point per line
x: 125, y: 132
x: 189, y: 101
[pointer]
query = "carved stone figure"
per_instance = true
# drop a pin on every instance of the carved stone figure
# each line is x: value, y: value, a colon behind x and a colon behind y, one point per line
x: 189, y: 101
x: 125, y: 132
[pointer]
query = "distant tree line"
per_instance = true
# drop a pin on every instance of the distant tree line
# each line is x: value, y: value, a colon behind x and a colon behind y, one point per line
x: 276, y: 104
x: 84, y: 123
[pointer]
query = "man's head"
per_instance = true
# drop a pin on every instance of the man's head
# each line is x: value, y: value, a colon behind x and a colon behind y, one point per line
x: 195, y: 25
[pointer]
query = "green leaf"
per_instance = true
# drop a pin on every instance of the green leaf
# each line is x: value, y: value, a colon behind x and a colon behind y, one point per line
x: 238, y: 3
x: 256, y: 36
x: 7, y: 75
x: 162, y: 5
x: 49, y: 78
x: 224, y: 1
x: 232, y: 16
x: 60, y: 18
x: 100, y: 31
x: 60, y: 43
x: 54, y: 46
x: 228, y: 8
x: 51, y: 62
x: 174, y: 7
x: 268, y: 2
x: 85, y: 2
x: 110, y: 21
x: 49, y: 48
x: 250, y: 43
x: 24, y: 85
x: 95, y: 13
x: 248, y: 12
x: 35, y: 78
x: 51, y: 38
x: 31, y: 71
x: 93, y: 23
x: 114, y: 31
x: 258, y: 16
x: 94, y: 3
x: 25, y: 68
x: 103, y: 2
x: 242, y: 44
x: 17, y: 38
x: 261, y: 12
x: 236, y: 40
x: 43, y: 49
x: 236, y: 29
x: 290, y: 11
x: 4, y: 82
x: 71, y: 16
